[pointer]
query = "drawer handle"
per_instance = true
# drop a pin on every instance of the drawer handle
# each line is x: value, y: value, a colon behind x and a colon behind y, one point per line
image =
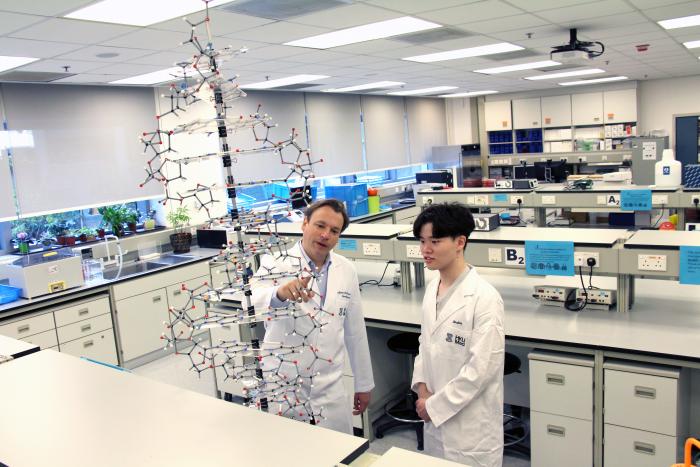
x: 177, y: 292
x: 555, y: 379
x: 644, y: 448
x: 646, y: 393
x: 85, y: 327
x: 83, y: 311
x: 556, y: 430
x: 24, y: 328
x: 156, y: 299
x: 89, y: 343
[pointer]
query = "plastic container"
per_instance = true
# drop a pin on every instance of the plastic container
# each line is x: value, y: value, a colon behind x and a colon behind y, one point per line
x: 667, y: 171
x: 9, y: 294
x: 353, y: 195
x: 373, y: 200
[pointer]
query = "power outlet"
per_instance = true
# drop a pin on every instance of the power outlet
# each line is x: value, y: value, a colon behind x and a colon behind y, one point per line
x: 428, y: 200
x: 481, y: 200
x: 659, y: 199
x: 371, y: 249
x: 581, y: 258
x: 695, y: 200
x: 516, y: 199
x: 413, y: 251
x: 651, y: 262
x: 495, y: 255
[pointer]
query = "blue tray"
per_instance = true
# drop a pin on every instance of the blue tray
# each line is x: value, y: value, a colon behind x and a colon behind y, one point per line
x: 9, y: 294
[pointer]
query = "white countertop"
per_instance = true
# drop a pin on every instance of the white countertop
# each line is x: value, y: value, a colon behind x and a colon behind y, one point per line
x: 386, y: 231
x: 604, y: 188
x: 64, y: 411
x: 397, y: 457
x: 15, y: 348
x: 662, y: 238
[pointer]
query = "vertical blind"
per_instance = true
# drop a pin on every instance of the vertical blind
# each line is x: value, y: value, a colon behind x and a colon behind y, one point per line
x: 385, y: 138
x: 426, y: 127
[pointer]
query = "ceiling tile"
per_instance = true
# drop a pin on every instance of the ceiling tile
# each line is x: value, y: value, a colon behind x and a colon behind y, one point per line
x: 346, y: 16
x: 32, y: 48
x: 163, y: 59
x: 674, y: 11
x: 149, y: 39
x: 91, y: 78
x: 370, y: 47
x: 90, y: 53
x: 416, y: 6
x: 222, y: 22
x: 463, y: 43
x: 129, y: 69
x: 537, y: 34
x: 508, y: 23
x: 572, y: 14
x: 320, y: 56
x: 355, y: 60
x: 273, y: 52
x: 70, y: 30
x: 538, y: 5
x: 43, y: 7
x: 646, y: 4
x: 472, y: 12
x: 640, y: 32
x: 279, y: 32
x: 56, y: 66
x: 10, y: 22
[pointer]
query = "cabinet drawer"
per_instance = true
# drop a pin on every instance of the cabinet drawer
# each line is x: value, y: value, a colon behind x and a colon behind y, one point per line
x: 84, y: 328
x: 156, y: 280
x: 561, y: 389
x: 99, y: 346
x: 81, y: 311
x: 554, y: 438
x: 178, y: 299
x: 645, y: 402
x: 141, y: 323
x: 44, y: 339
x: 27, y: 327
x: 625, y: 446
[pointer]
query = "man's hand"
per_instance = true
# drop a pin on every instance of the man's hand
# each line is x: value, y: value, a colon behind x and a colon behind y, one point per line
x: 361, y: 402
x: 422, y: 391
x: 422, y: 410
x: 296, y: 290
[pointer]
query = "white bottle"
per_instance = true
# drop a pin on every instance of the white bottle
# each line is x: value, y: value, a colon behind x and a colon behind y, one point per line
x: 667, y: 170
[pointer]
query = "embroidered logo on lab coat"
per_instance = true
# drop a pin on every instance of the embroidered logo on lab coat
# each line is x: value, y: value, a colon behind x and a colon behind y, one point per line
x: 456, y: 338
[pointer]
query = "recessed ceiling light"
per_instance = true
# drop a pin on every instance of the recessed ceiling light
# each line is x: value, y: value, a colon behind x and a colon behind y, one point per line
x: 365, y: 87
x: 107, y: 55
x: 160, y: 76
x: 593, y: 81
x: 276, y: 83
x: 139, y: 12
x: 415, y: 92
x: 684, y: 22
x: 469, y: 94
x: 566, y: 74
x: 8, y: 63
x: 491, y: 49
x: 691, y: 44
x: 518, y: 67
x: 366, y: 32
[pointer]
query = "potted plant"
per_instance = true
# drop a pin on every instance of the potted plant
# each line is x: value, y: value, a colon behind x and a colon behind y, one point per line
x: 150, y: 222
x: 86, y: 234
x: 114, y: 216
x: 47, y: 239
x: 22, y: 240
x: 70, y: 237
x: 132, y: 218
x: 180, y: 240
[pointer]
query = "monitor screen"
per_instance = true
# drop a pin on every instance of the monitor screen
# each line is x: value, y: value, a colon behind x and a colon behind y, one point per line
x: 551, y: 171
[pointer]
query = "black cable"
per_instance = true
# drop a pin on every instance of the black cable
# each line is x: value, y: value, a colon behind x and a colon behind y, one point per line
x: 660, y: 217
x: 569, y: 302
x: 379, y: 282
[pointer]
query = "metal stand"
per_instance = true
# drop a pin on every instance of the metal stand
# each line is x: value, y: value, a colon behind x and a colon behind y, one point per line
x: 420, y: 275
x: 406, y: 283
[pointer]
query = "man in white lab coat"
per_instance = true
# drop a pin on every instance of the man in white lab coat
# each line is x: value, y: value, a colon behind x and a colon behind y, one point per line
x: 335, y: 290
x: 458, y: 373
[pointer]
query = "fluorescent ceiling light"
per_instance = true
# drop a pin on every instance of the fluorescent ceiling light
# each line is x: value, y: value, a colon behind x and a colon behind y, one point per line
x: 8, y: 63
x: 469, y: 94
x: 366, y: 32
x: 566, y: 74
x: 160, y: 76
x: 289, y: 80
x: 518, y: 67
x: 139, y: 12
x: 593, y: 81
x: 691, y: 44
x: 422, y: 91
x: 492, y: 49
x: 683, y: 22
x: 364, y: 87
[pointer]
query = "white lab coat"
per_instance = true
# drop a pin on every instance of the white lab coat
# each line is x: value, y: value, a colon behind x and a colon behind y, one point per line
x: 460, y: 360
x: 344, y: 330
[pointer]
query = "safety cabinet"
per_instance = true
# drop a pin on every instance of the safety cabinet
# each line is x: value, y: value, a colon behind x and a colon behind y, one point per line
x: 497, y: 115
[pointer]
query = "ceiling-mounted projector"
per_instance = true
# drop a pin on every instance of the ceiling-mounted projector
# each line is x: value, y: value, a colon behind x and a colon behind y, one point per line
x: 576, y: 52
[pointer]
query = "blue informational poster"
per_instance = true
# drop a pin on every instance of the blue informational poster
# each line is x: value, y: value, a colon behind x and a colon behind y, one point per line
x: 635, y: 200
x: 347, y: 244
x: 500, y: 198
x: 549, y: 258
x: 690, y: 265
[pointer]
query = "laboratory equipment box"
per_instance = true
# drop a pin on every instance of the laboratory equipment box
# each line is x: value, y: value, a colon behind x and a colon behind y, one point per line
x: 353, y: 195
x: 44, y: 273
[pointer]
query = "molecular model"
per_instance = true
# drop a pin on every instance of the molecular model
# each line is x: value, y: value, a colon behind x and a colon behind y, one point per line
x: 275, y: 376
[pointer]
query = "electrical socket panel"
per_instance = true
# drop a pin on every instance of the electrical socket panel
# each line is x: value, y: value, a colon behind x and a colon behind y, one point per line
x: 581, y: 258
x: 515, y: 199
x: 428, y: 200
x: 659, y: 199
x: 371, y: 249
x: 651, y: 262
x: 413, y: 251
x: 481, y: 200
x: 495, y: 255
x: 695, y: 200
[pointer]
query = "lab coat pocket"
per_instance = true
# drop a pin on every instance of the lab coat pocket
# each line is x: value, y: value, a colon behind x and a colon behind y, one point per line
x: 453, y: 342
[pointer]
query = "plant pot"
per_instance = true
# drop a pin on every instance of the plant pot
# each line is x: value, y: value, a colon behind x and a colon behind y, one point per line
x: 101, y: 233
x: 118, y: 230
x: 61, y: 239
x: 70, y: 241
x: 24, y: 248
x: 181, y: 242
x: 90, y: 238
x: 149, y: 224
x: 131, y: 226
x: 82, y: 238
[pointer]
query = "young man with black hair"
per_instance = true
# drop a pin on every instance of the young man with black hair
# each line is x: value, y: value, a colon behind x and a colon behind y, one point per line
x: 458, y: 373
x: 334, y: 290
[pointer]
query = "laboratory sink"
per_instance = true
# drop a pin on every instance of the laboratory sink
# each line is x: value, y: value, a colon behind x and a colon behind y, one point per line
x: 132, y: 268
x: 172, y: 259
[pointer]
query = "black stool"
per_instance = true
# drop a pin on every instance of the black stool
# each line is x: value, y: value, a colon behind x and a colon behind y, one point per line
x: 515, y: 430
x: 403, y: 412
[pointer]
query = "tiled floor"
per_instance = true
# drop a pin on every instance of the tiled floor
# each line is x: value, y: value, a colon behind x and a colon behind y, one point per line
x: 174, y: 369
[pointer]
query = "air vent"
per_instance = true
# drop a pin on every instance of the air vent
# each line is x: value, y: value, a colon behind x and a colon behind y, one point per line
x: 19, y: 76
x: 512, y: 55
x: 282, y: 9
x: 431, y: 36
x: 296, y: 87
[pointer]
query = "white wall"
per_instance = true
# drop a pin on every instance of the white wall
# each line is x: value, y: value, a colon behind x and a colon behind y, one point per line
x: 461, y: 121
x: 661, y: 99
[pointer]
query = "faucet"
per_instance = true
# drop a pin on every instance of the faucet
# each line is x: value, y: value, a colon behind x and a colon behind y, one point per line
x: 118, y: 257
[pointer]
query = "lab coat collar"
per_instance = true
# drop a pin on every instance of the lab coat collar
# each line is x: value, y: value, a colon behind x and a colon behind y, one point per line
x: 457, y: 301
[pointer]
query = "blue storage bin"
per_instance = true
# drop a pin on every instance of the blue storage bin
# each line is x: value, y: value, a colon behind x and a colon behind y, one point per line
x: 9, y: 294
x: 354, y: 195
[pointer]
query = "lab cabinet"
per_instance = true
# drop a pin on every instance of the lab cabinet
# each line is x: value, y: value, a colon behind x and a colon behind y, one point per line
x: 626, y: 446
x: 620, y: 106
x: 527, y: 113
x: 557, y: 441
x: 142, y: 321
x: 179, y: 298
x: 83, y: 328
x: 497, y: 115
x: 45, y: 340
x: 587, y: 109
x: 29, y: 326
x: 99, y: 346
x: 556, y: 111
x: 82, y: 311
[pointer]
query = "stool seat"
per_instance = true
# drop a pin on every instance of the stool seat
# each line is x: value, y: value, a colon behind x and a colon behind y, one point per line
x: 511, y: 364
x: 405, y: 342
